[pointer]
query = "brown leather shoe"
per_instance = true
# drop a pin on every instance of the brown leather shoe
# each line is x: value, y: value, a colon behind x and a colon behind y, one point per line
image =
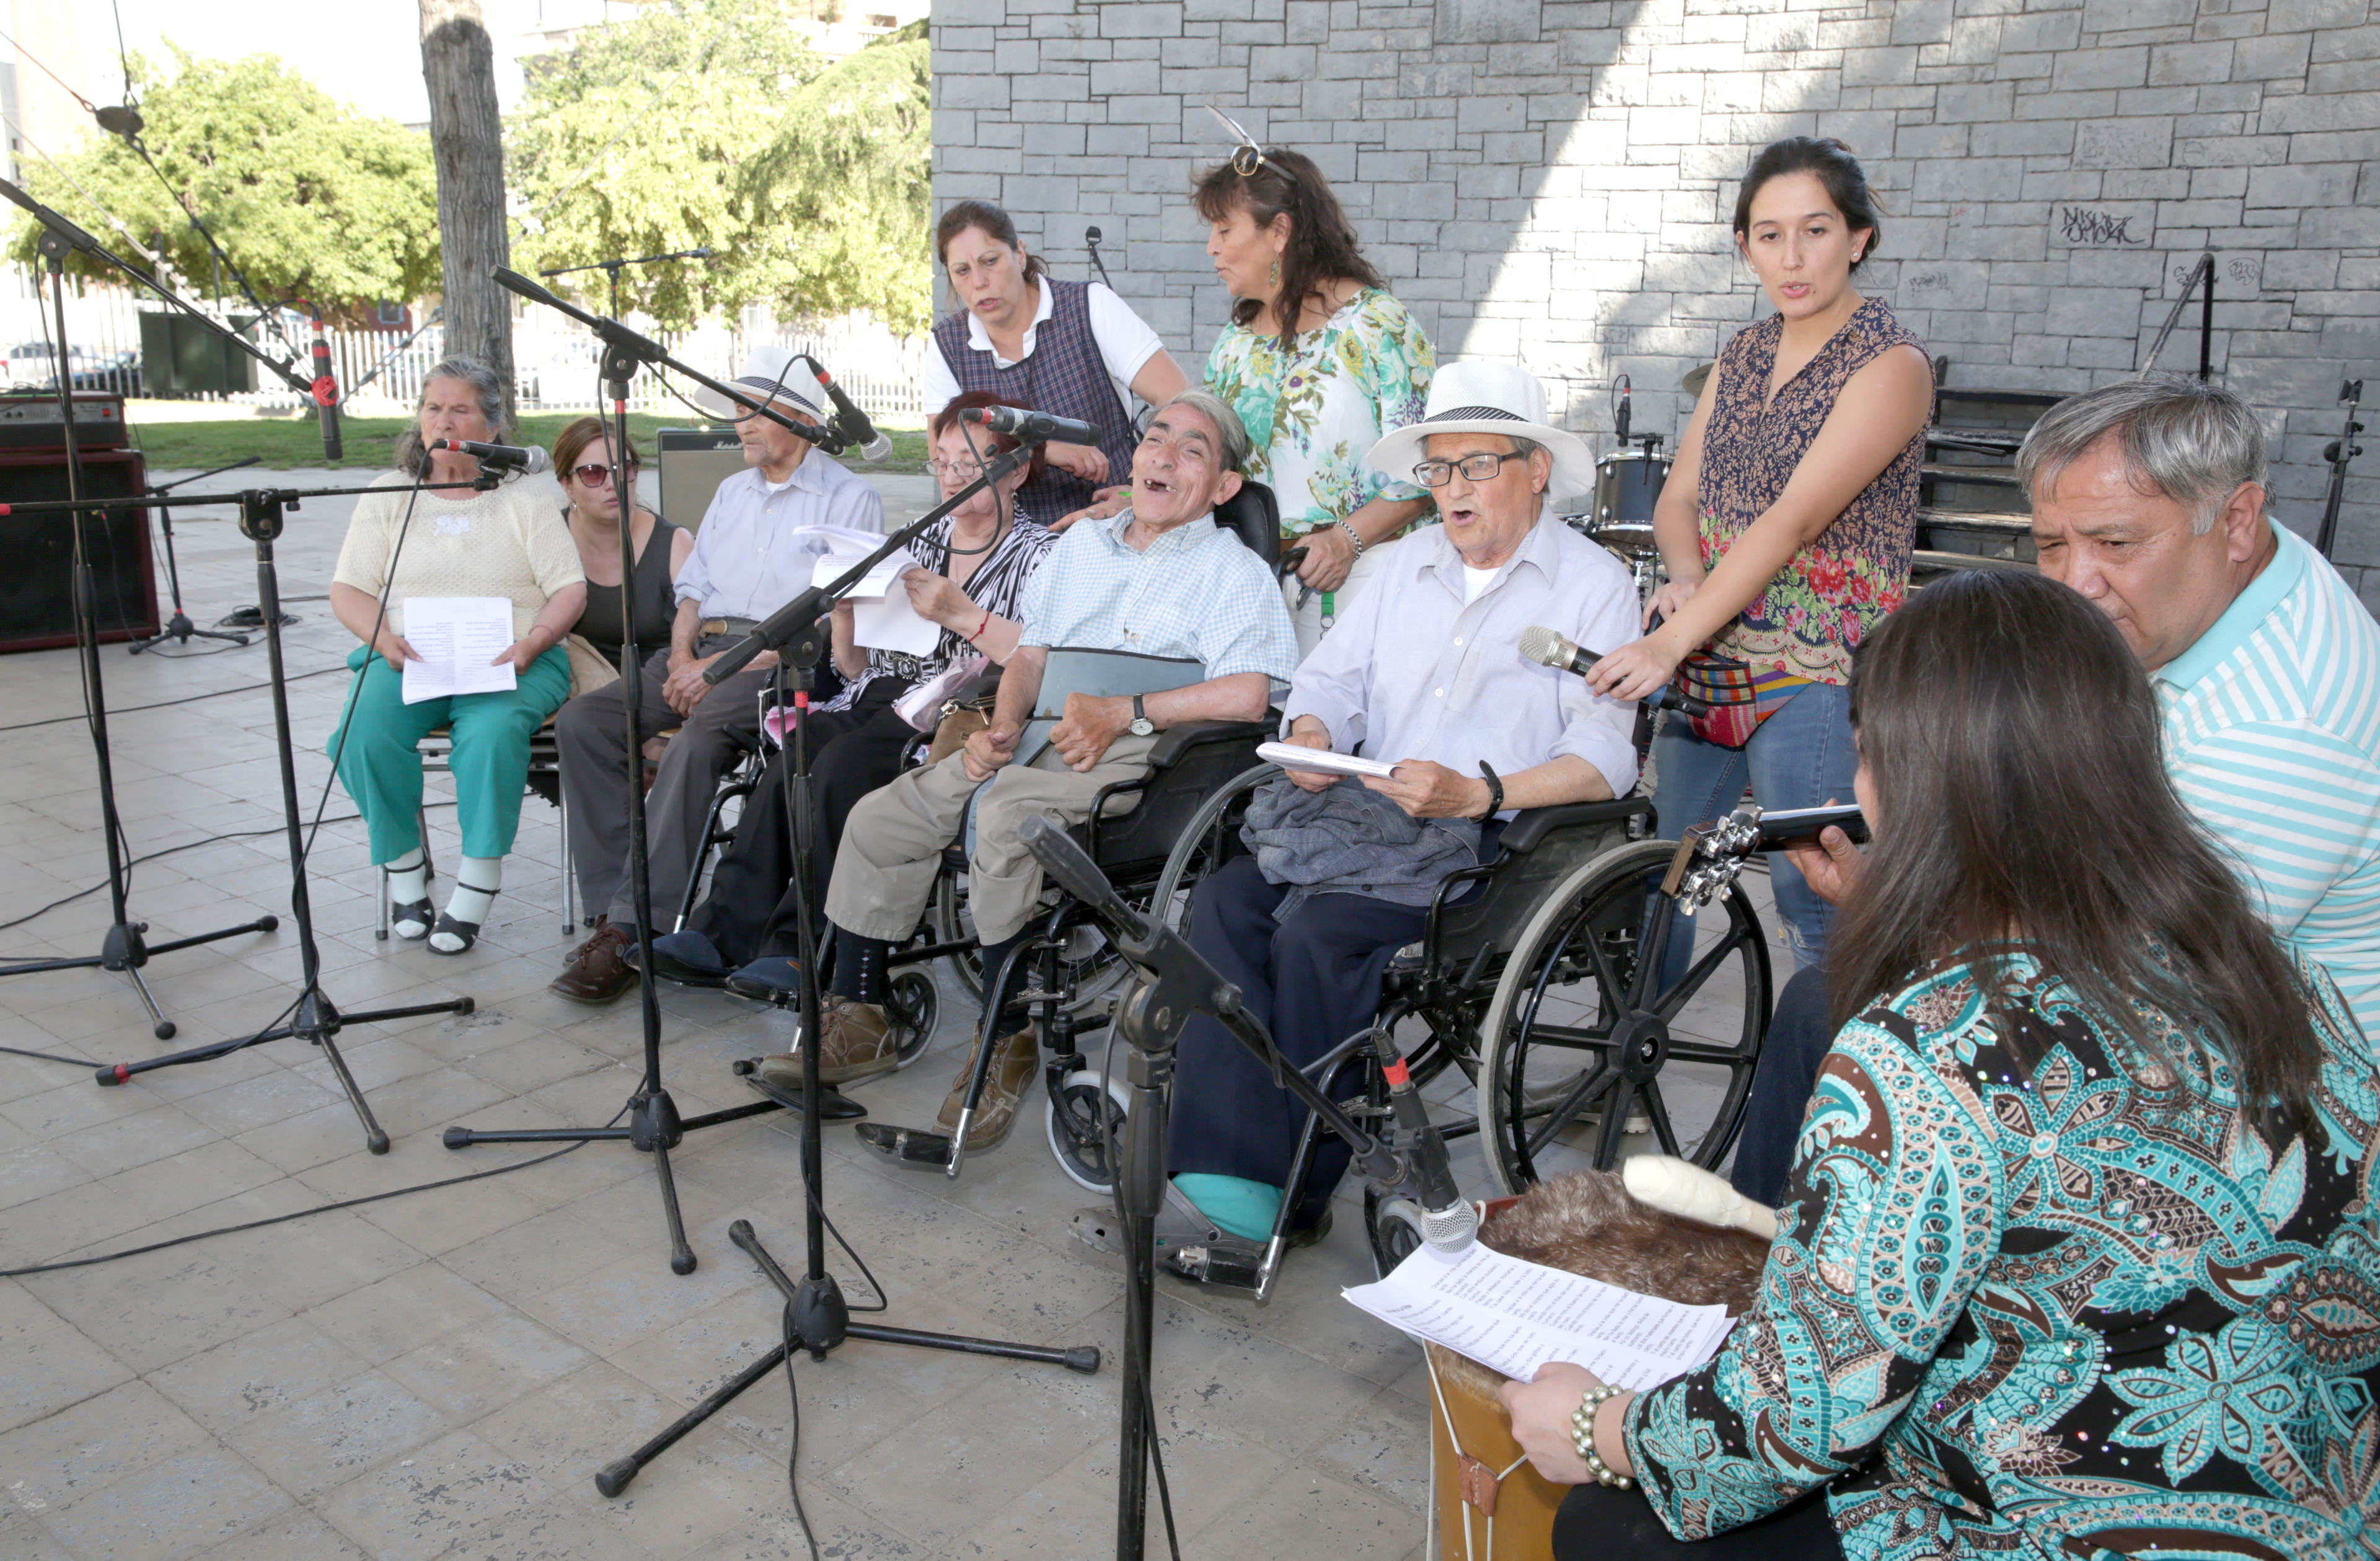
x: 858, y: 1044
x: 596, y: 973
x: 1004, y: 1090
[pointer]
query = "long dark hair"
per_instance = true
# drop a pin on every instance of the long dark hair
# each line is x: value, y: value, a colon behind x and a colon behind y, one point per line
x: 2012, y: 743
x: 965, y: 215
x: 1322, y: 247
x: 1840, y: 171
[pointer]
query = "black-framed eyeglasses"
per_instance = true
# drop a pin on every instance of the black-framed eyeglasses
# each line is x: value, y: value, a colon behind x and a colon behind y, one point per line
x: 1480, y: 467
x: 1246, y: 157
x: 965, y: 470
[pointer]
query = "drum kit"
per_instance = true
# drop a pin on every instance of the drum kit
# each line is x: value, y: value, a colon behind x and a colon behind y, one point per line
x: 1627, y: 483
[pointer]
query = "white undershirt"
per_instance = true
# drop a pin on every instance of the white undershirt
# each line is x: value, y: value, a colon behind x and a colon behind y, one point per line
x: 1475, y: 581
x: 1124, y: 340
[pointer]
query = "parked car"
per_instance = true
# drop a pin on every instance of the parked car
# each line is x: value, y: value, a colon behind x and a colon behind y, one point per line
x: 117, y: 371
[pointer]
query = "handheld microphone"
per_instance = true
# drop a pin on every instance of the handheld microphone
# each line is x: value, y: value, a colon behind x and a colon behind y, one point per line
x: 326, y: 394
x: 509, y: 457
x: 850, y: 422
x: 1549, y: 649
x: 1033, y: 428
x: 1620, y: 412
x: 1450, y: 1222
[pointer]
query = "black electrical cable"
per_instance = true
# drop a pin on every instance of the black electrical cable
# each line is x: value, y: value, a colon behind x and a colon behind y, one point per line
x: 304, y: 1213
x: 187, y: 699
x: 794, y: 1442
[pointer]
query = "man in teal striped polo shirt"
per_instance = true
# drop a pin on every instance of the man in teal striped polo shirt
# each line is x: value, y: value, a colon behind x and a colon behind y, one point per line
x: 2148, y: 497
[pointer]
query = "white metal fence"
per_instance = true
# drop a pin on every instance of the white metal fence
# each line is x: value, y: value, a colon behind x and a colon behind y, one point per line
x: 555, y: 360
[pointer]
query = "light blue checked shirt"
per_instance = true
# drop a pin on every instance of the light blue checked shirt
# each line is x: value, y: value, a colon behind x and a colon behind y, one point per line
x: 2272, y: 736
x: 744, y: 564
x: 1197, y: 592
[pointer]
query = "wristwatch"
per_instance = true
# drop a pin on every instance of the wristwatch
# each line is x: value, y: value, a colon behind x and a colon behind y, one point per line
x: 1142, y: 726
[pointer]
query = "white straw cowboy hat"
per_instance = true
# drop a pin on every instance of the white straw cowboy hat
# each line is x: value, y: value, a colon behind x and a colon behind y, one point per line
x: 773, y: 373
x: 1483, y: 395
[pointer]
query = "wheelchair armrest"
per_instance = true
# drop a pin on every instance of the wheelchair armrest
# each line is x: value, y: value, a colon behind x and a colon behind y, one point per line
x: 1175, y: 741
x: 1530, y: 825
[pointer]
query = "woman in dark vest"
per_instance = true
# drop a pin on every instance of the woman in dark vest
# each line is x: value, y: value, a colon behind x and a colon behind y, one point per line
x: 1071, y: 348
x: 593, y: 482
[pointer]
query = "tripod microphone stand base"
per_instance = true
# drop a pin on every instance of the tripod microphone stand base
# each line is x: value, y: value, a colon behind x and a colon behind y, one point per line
x: 180, y: 628
x: 126, y: 950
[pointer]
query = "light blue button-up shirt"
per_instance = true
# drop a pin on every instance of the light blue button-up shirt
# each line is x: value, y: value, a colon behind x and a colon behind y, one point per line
x: 743, y: 564
x: 1413, y: 671
x: 1197, y: 592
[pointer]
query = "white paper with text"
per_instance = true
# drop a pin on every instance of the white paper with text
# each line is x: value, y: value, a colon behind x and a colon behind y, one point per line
x: 1513, y: 1317
x: 457, y: 638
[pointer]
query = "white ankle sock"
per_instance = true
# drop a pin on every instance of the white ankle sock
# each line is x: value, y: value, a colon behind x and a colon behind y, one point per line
x: 477, y: 879
x: 408, y: 877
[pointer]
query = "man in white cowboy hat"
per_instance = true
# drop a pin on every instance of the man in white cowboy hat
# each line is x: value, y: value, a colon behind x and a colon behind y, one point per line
x: 746, y: 563
x: 1425, y: 670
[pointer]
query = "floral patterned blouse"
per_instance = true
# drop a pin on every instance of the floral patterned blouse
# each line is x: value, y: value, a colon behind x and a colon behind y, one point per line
x: 2061, y: 1313
x: 1314, y: 414
x: 1816, y: 611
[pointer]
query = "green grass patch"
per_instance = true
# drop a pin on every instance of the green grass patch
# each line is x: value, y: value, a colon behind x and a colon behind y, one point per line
x: 371, y: 443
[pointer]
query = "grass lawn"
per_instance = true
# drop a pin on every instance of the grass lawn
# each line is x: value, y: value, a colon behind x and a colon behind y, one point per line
x: 371, y: 442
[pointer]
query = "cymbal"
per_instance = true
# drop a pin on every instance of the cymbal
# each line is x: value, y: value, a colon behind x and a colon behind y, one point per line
x: 1693, y: 383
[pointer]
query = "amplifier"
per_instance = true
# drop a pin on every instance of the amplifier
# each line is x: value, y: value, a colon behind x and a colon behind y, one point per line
x: 37, y: 587
x: 694, y: 462
x: 31, y: 422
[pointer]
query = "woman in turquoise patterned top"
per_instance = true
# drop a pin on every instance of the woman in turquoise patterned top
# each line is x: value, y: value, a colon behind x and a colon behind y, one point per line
x: 1787, y: 521
x: 1319, y: 362
x: 2080, y: 1254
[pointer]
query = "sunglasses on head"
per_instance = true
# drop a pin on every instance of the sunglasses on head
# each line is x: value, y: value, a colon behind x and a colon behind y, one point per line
x: 1246, y: 157
x: 597, y: 475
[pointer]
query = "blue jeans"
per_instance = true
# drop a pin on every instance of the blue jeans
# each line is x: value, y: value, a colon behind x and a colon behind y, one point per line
x: 1799, y: 758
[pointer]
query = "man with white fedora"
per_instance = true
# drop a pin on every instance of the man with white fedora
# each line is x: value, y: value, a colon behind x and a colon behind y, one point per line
x: 1425, y: 671
x: 746, y: 563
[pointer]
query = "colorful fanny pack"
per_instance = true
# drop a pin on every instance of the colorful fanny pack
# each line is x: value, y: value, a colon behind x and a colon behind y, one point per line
x: 1740, y: 697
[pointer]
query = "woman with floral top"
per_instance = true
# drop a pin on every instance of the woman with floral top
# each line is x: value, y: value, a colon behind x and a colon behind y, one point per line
x: 2077, y: 1254
x: 1788, y: 522
x: 1319, y: 362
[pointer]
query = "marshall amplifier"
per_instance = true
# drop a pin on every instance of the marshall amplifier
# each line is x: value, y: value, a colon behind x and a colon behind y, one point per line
x: 694, y: 462
x: 37, y: 586
x: 32, y: 422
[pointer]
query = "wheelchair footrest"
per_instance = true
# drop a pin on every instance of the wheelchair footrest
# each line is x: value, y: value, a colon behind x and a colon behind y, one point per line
x: 833, y: 1104
x: 1231, y: 1265
x: 910, y: 1146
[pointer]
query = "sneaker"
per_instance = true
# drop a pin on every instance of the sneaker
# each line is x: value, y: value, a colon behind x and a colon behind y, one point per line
x: 1003, y: 1089
x: 858, y: 1044
x: 595, y: 971
x: 687, y: 958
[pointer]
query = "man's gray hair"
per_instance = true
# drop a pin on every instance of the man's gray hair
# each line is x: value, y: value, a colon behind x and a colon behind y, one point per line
x: 411, y: 456
x: 2191, y: 442
x: 1217, y: 410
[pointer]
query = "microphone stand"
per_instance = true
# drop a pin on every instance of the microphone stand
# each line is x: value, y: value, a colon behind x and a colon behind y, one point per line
x: 314, y: 1016
x: 611, y: 268
x: 179, y: 627
x: 1173, y: 980
x: 124, y: 948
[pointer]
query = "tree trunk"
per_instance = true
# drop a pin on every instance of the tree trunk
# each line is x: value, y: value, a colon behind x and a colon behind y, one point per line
x: 458, y: 62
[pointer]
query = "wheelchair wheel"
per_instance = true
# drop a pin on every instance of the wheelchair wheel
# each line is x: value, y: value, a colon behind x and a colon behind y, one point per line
x: 1393, y: 1229
x: 1566, y: 1055
x: 1208, y: 840
x: 914, y: 1006
x: 1092, y: 969
x: 1078, y: 1139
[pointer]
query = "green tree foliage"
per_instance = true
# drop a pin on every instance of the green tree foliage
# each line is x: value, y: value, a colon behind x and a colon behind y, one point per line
x: 709, y: 122
x: 309, y: 198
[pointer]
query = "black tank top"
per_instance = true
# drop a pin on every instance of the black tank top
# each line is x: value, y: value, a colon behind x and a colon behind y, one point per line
x: 649, y: 588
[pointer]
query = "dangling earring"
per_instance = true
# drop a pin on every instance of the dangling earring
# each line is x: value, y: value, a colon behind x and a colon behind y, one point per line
x: 1274, y: 281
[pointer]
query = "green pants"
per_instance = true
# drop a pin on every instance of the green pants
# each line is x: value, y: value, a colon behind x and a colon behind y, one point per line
x: 379, y: 762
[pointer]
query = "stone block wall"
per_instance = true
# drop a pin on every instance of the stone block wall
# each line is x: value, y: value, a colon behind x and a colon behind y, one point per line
x: 1551, y: 179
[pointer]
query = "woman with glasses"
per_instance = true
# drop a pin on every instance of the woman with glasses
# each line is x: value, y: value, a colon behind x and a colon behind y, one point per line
x: 1073, y: 349
x: 1319, y: 360
x: 592, y: 481
x: 976, y: 563
x: 1788, y: 522
x: 506, y: 542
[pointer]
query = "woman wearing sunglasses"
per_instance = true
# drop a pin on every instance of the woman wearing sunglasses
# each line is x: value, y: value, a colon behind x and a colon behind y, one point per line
x: 1319, y: 360
x: 590, y: 480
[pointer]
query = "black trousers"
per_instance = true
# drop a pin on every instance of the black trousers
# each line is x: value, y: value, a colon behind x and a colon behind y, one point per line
x: 751, y: 911
x: 1313, y: 979
x: 1797, y: 1042
x: 1599, y: 1523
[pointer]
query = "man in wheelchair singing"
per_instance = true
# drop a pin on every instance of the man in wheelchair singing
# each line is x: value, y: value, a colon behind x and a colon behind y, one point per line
x: 1425, y: 671
x: 1151, y: 618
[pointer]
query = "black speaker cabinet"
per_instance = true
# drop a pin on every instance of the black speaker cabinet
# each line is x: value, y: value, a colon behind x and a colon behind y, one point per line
x: 694, y: 462
x: 37, y: 577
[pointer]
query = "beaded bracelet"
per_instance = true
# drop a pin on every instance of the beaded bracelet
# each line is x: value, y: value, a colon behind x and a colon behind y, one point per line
x: 1582, y: 1438
x: 1358, y: 541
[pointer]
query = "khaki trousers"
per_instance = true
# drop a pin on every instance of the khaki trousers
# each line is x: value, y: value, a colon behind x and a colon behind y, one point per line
x: 892, y: 843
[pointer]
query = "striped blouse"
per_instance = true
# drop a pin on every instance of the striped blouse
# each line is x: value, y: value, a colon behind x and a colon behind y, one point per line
x: 2272, y: 736
x: 998, y: 585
